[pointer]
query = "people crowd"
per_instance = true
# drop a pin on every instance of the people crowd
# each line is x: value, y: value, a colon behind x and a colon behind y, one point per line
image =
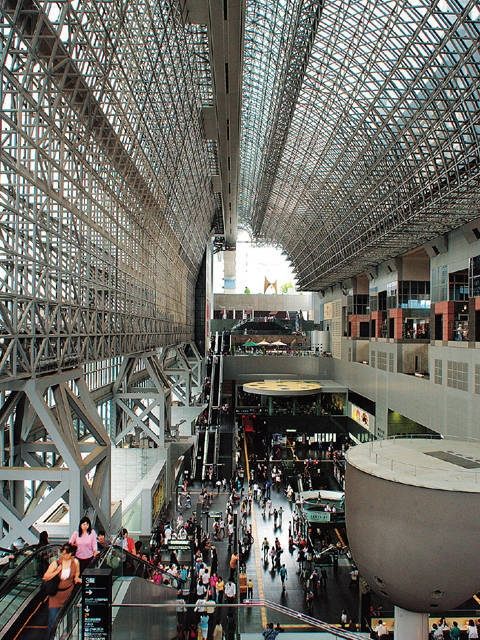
x: 263, y: 487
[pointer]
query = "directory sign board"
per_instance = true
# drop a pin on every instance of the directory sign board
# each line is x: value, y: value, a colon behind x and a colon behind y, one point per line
x: 97, y: 604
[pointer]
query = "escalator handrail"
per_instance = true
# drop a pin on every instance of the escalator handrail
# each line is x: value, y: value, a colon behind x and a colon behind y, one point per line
x: 36, y: 552
x: 136, y: 560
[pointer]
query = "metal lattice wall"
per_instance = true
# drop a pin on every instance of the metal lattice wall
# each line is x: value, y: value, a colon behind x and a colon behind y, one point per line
x: 105, y: 194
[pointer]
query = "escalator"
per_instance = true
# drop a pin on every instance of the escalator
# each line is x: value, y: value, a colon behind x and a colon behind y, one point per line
x: 225, y: 453
x: 24, y: 608
x: 202, y: 435
x: 10, y: 560
x: 20, y: 592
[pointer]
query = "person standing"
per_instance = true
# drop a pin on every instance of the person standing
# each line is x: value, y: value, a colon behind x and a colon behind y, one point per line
x: 381, y: 629
x: 203, y: 625
x: 218, y: 631
x: 220, y: 589
x: 181, y: 608
x: 454, y: 631
x: 85, y: 539
x: 102, y: 541
x: 323, y: 578
x: 43, y: 556
x: 249, y: 589
x: 67, y: 567
x: 472, y: 630
x: 230, y: 592
x: 127, y: 543
x: 233, y: 565
x: 269, y: 633
x: 230, y: 627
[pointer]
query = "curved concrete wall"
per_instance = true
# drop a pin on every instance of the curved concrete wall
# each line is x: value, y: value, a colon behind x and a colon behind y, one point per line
x: 417, y: 546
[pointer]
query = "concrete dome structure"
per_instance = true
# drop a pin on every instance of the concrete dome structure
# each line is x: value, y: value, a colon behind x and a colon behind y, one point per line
x: 412, y: 520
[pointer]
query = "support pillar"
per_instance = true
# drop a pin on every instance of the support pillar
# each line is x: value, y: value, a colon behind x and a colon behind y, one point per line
x: 410, y: 625
x: 143, y: 399
x: 55, y: 455
x: 176, y: 367
x: 229, y: 271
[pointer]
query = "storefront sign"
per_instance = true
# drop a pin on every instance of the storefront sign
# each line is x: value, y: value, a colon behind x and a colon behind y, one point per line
x: 179, y: 545
x: 318, y: 516
x: 362, y: 417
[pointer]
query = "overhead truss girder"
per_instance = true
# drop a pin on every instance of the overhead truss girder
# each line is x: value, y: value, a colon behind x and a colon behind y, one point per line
x: 382, y: 149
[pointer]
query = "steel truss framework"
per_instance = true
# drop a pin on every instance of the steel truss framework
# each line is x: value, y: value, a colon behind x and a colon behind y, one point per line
x: 54, y: 449
x: 383, y: 144
x: 179, y: 370
x: 142, y: 396
x: 106, y: 201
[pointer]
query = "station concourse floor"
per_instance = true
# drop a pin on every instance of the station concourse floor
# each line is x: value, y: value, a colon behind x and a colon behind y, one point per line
x: 339, y: 593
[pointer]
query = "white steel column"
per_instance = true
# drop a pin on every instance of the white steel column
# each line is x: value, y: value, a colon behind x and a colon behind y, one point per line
x: 56, y: 452
x: 410, y: 625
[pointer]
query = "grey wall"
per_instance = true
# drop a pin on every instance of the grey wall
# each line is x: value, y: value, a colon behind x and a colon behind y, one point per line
x: 438, y: 407
x: 259, y: 367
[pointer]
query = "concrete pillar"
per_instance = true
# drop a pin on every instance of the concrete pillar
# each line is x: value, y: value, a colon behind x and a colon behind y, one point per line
x: 229, y: 270
x: 410, y: 625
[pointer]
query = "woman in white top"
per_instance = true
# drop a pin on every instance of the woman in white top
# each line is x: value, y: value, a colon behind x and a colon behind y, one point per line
x: 472, y: 630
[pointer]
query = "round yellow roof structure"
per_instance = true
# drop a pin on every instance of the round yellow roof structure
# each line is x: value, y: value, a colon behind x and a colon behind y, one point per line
x: 283, y: 387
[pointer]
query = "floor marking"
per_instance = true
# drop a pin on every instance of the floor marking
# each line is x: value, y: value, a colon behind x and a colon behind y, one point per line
x: 258, y: 560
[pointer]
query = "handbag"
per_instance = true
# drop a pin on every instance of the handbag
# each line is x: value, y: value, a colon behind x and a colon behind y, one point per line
x: 50, y: 587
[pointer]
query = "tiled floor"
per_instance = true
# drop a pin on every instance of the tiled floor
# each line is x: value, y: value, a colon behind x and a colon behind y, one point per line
x: 328, y: 605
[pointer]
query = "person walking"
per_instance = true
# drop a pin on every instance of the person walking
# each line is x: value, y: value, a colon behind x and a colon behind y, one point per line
x: 265, y: 547
x: 283, y: 575
x: 273, y: 555
x: 250, y: 590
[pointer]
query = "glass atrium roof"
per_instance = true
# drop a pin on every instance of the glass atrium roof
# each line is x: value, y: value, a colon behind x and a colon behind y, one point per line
x: 360, y: 128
